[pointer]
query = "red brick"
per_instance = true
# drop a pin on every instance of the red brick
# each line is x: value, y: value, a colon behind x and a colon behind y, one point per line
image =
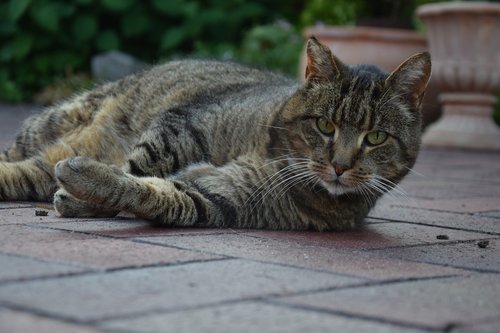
x: 19, y: 322
x: 446, y: 219
x: 88, y: 250
x: 154, y: 289
x: 371, y: 236
x: 27, y: 215
x: 252, y: 317
x: 483, y: 327
x: 20, y: 268
x: 434, y: 303
x: 466, y: 255
x: 126, y: 228
x: 464, y: 205
x: 313, y: 257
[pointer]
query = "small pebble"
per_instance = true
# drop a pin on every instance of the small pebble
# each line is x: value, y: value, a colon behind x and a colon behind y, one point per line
x: 483, y: 244
x: 41, y: 213
x: 442, y: 237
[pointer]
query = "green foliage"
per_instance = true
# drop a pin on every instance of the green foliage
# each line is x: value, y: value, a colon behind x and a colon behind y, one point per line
x: 272, y: 46
x: 44, y: 40
x: 340, y: 12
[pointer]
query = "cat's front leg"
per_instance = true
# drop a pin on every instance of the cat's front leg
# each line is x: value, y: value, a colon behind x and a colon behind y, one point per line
x: 109, y: 187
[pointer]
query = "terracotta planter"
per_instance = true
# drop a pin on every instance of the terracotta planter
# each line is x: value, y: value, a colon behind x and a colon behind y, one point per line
x: 464, y: 40
x: 384, y: 47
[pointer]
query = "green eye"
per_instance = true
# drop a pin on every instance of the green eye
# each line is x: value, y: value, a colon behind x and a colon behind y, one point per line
x: 326, y: 127
x: 376, y: 138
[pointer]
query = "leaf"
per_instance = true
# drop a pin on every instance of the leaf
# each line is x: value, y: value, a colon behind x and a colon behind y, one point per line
x: 108, y: 40
x: 171, y: 38
x: 84, y: 2
x: 117, y: 5
x: 46, y: 16
x: 17, y: 8
x: 84, y: 27
x: 134, y: 24
x: 21, y: 46
x: 174, y: 8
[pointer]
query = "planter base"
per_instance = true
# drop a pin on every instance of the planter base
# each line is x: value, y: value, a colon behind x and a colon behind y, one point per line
x: 466, y: 123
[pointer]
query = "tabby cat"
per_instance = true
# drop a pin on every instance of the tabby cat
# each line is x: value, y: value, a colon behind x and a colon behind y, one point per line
x: 206, y: 143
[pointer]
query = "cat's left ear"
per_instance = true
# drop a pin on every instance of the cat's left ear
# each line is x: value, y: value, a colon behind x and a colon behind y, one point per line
x: 410, y: 79
x: 322, y: 65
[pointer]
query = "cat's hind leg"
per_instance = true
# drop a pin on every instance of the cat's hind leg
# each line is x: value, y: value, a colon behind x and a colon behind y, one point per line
x: 31, y: 179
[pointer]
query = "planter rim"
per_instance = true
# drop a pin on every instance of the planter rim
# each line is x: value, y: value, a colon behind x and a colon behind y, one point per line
x: 458, y: 8
x: 370, y: 33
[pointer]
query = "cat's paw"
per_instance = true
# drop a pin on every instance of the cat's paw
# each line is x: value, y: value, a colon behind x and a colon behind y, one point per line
x: 68, y: 206
x: 87, y: 179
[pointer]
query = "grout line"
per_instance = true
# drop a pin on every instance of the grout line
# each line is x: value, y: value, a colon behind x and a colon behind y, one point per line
x: 98, y: 271
x: 388, y: 220
x: 352, y: 315
x: 270, y: 297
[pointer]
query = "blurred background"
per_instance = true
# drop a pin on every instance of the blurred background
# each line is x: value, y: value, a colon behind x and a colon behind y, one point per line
x: 47, y: 46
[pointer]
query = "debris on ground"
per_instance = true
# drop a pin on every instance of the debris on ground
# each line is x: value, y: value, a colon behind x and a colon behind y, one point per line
x: 39, y: 212
x: 483, y: 244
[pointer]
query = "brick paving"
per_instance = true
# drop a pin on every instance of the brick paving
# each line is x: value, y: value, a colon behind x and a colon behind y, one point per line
x: 425, y: 262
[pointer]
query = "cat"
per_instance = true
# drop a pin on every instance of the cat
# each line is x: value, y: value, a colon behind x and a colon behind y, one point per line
x: 219, y: 144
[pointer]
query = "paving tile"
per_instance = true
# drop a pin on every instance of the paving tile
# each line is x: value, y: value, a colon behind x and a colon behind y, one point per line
x: 434, y: 303
x: 20, y: 322
x: 88, y: 250
x: 439, y: 188
x: 371, y: 236
x: 466, y: 255
x: 314, y: 257
x: 20, y: 268
x: 460, y: 165
x: 252, y: 317
x: 126, y: 228
x: 465, y: 205
x: 445, y: 219
x: 27, y: 215
x: 125, y: 292
x: 16, y: 204
x: 487, y: 327
x: 494, y: 214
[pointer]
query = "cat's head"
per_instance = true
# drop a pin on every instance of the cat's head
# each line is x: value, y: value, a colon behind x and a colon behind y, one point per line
x: 354, y: 128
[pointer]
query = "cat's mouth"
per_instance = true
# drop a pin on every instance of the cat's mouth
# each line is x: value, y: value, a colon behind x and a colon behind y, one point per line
x: 336, y: 185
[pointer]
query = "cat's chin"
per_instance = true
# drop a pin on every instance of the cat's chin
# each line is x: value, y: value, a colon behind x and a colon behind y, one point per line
x: 337, y: 189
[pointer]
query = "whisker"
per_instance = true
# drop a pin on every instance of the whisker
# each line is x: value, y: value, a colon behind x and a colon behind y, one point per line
x: 271, y: 126
x: 416, y: 173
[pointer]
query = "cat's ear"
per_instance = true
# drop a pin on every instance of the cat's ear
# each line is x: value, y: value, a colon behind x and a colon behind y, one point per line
x: 322, y: 65
x: 410, y: 79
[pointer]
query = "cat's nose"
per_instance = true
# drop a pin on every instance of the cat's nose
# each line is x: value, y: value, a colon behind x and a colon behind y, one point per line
x: 340, y: 168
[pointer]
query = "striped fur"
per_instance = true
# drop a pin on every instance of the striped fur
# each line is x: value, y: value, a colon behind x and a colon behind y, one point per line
x: 205, y: 143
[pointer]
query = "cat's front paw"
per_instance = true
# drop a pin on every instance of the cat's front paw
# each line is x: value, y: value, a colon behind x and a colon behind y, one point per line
x: 68, y: 206
x: 87, y: 179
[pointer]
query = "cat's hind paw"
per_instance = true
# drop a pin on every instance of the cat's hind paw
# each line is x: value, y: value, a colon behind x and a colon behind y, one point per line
x: 68, y: 206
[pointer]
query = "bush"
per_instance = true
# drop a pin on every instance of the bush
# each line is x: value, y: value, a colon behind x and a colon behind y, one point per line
x: 46, y: 40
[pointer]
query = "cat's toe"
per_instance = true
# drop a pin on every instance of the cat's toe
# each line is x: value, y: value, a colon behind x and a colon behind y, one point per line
x: 68, y: 206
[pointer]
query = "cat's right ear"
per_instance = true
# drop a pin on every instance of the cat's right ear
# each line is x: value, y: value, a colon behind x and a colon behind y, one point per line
x: 322, y: 65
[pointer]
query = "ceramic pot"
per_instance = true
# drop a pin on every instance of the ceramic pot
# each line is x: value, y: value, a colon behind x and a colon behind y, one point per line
x: 464, y: 41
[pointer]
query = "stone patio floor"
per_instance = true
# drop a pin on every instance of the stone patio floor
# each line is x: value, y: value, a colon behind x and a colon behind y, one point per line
x: 429, y: 262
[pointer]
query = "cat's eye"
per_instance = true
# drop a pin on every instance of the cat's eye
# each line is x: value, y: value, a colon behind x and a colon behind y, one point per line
x: 376, y: 138
x: 326, y: 127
